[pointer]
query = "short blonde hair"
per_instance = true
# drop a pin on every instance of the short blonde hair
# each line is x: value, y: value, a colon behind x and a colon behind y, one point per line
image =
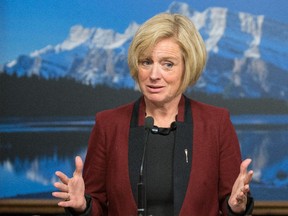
x: 175, y: 26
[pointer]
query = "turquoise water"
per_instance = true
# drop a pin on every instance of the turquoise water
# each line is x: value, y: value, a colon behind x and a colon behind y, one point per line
x: 33, y: 149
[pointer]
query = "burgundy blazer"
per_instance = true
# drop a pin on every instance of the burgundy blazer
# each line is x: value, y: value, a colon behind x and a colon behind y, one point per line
x: 201, y: 186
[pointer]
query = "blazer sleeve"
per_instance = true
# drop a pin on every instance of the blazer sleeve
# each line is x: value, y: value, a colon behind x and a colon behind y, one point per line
x: 95, y: 168
x: 229, y: 159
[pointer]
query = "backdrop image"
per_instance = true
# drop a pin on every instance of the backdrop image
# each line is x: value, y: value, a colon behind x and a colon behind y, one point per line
x: 63, y: 61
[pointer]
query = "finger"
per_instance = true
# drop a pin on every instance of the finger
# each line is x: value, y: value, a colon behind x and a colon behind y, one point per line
x: 60, y: 186
x: 79, y: 166
x: 248, y: 177
x: 64, y: 178
x: 246, y: 189
x: 244, y: 165
x: 61, y: 195
x: 65, y: 204
x: 241, y: 199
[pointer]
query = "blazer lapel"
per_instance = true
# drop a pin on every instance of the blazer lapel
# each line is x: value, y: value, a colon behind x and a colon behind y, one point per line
x: 136, y: 144
x: 182, y: 156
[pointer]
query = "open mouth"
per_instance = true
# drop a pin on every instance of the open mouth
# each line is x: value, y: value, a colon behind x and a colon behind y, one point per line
x: 154, y: 89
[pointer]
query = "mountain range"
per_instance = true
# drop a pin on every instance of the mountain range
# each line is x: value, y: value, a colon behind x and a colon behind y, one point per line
x: 247, y: 55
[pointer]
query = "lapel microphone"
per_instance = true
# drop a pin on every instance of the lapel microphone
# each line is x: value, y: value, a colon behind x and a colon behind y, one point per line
x: 149, y: 123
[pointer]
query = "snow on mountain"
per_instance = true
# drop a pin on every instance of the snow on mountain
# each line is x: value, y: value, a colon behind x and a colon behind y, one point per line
x: 245, y: 59
x: 247, y: 55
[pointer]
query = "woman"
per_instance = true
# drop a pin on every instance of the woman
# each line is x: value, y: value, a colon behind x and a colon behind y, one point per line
x: 192, y: 156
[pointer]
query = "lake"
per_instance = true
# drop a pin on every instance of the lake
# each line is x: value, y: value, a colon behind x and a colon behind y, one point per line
x: 31, y: 150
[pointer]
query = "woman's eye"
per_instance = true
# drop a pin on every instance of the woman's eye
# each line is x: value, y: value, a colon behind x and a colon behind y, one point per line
x: 168, y: 64
x: 145, y: 62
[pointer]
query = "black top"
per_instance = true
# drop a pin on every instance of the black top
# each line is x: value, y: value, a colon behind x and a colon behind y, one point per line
x: 159, y: 169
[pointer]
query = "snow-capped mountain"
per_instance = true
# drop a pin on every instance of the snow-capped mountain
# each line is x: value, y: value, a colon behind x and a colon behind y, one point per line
x: 247, y: 55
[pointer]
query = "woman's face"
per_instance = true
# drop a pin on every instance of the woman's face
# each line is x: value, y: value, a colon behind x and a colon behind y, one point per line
x: 160, y: 72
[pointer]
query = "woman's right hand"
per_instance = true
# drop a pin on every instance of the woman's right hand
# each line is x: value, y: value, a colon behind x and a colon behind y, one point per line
x: 72, y: 190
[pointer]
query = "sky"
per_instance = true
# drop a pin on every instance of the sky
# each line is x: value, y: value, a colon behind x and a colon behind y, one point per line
x: 28, y: 25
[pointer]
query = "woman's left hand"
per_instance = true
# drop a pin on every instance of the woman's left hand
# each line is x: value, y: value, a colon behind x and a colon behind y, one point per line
x: 238, y: 197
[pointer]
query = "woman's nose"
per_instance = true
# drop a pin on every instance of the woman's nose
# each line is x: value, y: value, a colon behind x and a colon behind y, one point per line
x: 155, y: 72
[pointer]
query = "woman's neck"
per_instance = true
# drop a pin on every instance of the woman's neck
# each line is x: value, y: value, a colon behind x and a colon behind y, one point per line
x: 163, y: 114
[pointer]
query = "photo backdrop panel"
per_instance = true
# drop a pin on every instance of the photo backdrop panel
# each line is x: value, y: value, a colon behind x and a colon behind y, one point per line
x: 63, y: 62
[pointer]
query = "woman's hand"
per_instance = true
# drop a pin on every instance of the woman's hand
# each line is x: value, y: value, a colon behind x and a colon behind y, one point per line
x: 238, y: 198
x: 72, y: 190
